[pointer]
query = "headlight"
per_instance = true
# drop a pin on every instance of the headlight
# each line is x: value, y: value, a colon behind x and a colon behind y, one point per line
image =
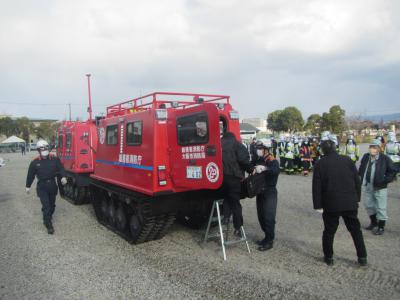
x: 161, y: 114
x: 234, y: 115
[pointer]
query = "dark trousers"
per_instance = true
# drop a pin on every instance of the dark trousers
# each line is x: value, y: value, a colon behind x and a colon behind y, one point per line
x: 306, y: 165
x: 48, y: 200
x: 282, y: 162
x: 297, y: 163
x: 331, y: 223
x: 266, y: 211
x: 289, y: 164
x: 232, y: 206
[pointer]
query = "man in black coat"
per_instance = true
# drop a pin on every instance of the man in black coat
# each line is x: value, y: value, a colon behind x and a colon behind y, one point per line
x: 267, y: 200
x: 46, y: 168
x: 236, y: 160
x: 336, y: 192
x: 376, y: 171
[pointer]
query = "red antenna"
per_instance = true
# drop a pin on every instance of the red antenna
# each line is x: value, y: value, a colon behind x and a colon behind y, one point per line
x: 90, y: 98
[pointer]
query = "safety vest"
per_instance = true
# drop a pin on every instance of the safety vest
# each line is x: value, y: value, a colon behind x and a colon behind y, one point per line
x: 352, y: 151
x: 281, y: 147
x: 296, y: 150
x: 289, y: 151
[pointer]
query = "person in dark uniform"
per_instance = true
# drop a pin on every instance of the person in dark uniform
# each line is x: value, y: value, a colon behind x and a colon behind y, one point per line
x: 23, y: 149
x: 46, y: 168
x: 252, y: 149
x: 336, y: 190
x: 236, y: 160
x: 268, y: 199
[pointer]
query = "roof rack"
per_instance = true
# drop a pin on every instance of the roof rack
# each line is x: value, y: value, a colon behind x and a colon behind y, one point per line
x: 168, y: 99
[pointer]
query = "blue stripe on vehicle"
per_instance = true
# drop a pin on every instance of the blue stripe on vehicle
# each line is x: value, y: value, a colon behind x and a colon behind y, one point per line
x: 117, y: 163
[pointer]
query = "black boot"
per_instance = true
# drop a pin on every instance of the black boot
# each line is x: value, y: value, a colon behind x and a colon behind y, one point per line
x: 237, y: 233
x: 362, y: 261
x: 381, y: 228
x: 261, y: 242
x: 50, y: 228
x: 266, y: 246
x: 328, y: 261
x: 373, y: 224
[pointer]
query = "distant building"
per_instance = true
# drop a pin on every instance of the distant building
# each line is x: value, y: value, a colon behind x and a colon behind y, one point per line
x: 37, y: 122
x: 248, y: 132
x: 259, y: 123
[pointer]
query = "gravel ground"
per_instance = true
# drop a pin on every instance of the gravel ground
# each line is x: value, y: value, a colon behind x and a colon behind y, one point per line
x: 84, y: 260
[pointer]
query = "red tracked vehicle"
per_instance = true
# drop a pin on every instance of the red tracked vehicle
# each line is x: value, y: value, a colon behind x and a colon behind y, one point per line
x: 76, y: 148
x: 77, y: 142
x: 158, y: 158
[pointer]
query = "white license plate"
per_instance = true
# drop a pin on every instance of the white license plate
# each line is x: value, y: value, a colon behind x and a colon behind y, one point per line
x: 193, y: 172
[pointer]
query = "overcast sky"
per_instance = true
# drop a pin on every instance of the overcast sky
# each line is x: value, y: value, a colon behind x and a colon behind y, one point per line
x: 265, y: 54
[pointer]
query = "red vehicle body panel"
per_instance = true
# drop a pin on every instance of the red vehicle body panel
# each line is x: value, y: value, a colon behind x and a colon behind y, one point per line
x: 166, y: 160
x: 77, y: 146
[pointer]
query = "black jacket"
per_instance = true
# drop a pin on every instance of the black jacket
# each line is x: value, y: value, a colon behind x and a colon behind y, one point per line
x: 46, y: 170
x: 384, y: 170
x: 272, y: 172
x: 336, y: 185
x: 235, y: 156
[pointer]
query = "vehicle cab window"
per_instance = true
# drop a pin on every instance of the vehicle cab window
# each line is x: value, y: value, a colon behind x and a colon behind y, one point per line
x: 112, y: 135
x: 193, y: 129
x: 134, y: 133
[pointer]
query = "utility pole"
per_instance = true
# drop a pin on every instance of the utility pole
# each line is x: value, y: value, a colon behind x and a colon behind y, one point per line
x: 69, y: 106
x: 90, y: 98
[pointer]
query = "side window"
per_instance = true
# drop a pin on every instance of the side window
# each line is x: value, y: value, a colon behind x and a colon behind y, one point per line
x: 68, y: 138
x: 223, y: 126
x: 134, y: 133
x: 60, y: 141
x: 112, y: 135
x: 192, y: 129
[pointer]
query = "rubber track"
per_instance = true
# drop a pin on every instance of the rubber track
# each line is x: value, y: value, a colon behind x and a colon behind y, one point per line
x: 153, y: 226
x: 72, y: 200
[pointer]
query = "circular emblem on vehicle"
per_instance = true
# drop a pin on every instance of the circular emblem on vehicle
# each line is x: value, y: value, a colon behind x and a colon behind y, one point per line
x: 102, y: 135
x: 212, y: 172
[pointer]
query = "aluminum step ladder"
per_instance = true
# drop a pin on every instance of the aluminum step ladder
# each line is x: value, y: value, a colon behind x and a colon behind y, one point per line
x: 224, y: 238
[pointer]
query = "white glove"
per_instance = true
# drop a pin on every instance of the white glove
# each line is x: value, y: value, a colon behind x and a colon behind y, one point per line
x: 319, y: 210
x: 27, y: 190
x: 64, y: 181
x: 260, y: 169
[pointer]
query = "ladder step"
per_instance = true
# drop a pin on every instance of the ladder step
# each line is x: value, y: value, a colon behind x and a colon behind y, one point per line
x: 228, y: 243
x: 223, y: 232
x: 214, y: 219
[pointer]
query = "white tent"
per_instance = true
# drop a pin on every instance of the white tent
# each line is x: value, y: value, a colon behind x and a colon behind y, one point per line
x: 13, y: 139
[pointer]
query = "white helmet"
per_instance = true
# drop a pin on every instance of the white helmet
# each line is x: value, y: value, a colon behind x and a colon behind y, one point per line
x: 42, y: 144
x: 392, y: 137
x: 333, y: 138
x: 325, y: 136
x: 43, y: 148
